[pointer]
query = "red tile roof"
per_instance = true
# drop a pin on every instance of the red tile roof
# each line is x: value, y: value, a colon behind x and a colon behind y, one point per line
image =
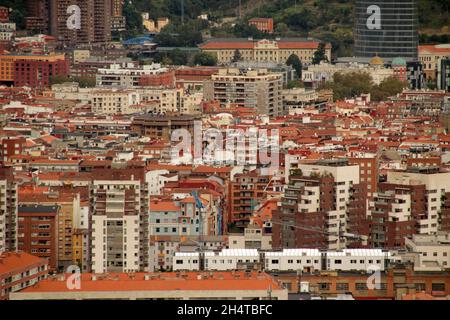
x: 250, y: 44
x: 11, y: 262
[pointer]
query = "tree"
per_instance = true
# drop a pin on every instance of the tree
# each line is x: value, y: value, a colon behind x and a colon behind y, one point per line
x: 294, y: 84
x: 387, y: 88
x: 205, y: 59
x: 349, y: 85
x: 237, y: 56
x: 58, y: 79
x: 295, y: 62
x: 244, y: 30
x: 320, y: 54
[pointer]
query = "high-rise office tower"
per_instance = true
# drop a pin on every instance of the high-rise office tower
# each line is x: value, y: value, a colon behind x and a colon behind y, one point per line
x: 387, y: 28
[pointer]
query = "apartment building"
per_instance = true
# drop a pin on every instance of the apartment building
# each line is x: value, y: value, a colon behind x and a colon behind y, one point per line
x: 7, y: 31
x: 8, y: 211
x: 191, y: 103
x: 368, y: 169
x: 258, y: 90
x: 164, y: 248
x: 295, y: 100
x: 312, y: 260
x: 433, y: 251
x: 19, y: 270
x: 394, y: 214
x: 95, y: 22
x: 321, y: 202
x: 226, y: 259
x: 11, y: 146
x: 435, y: 184
x: 116, y: 229
x: 38, y: 16
x: 180, y: 217
x: 126, y: 75
x: 114, y: 101
x: 38, y: 232
x: 32, y: 70
x: 161, y: 127
x: 69, y: 209
x: 248, y: 189
x: 118, y: 21
x: 278, y: 50
x: 253, y: 237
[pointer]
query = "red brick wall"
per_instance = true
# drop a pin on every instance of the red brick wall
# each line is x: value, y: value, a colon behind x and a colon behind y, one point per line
x: 34, y: 74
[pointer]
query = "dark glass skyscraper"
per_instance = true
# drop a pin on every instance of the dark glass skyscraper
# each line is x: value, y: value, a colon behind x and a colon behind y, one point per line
x: 387, y: 28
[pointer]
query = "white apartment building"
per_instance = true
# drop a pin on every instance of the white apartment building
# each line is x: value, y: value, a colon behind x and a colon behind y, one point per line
x: 156, y: 179
x: 293, y: 260
x: 114, y: 101
x: 186, y: 261
x: 115, y: 226
x: 191, y: 103
x: 227, y: 259
x: 126, y: 75
x: 358, y: 259
x: 252, y: 238
x: 170, y: 100
x: 436, y: 185
x: 7, y: 31
x: 432, y: 251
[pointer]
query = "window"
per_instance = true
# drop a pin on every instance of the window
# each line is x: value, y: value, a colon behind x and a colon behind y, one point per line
x: 338, y: 261
x: 420, y: 287
x: 438, y: 287
x: 274, y: 261
x: 179, y: 262
x: 324, y: 286
x: 361, y: 286
x: 342, y: 286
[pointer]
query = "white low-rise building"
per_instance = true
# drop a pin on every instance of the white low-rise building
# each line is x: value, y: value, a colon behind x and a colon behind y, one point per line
x: 293, y: 260
x: 357, y: 259
x: 432, y: 251
x: 229, y: 259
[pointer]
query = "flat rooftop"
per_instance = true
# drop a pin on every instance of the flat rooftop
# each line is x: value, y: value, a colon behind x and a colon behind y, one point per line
x: 167, y: 281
